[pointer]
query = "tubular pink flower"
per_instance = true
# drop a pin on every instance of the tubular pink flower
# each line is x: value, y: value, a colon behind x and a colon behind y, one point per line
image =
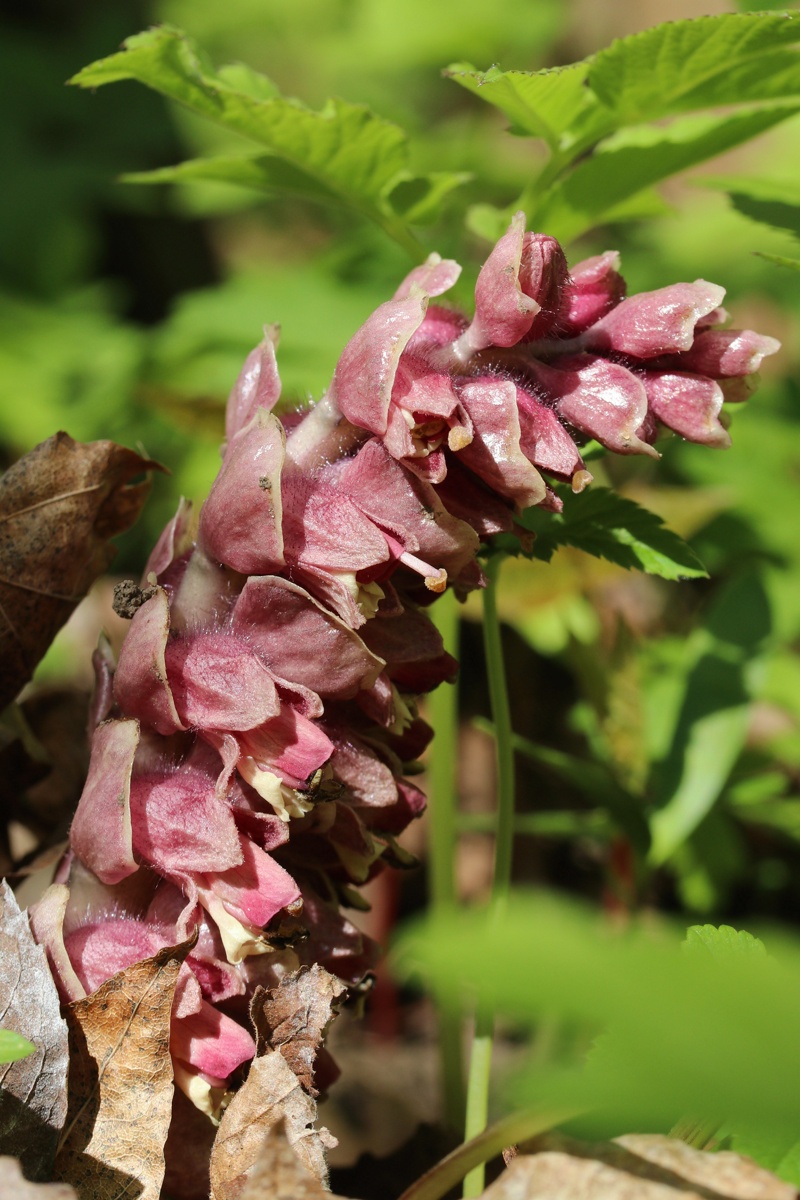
x: 248, y: 758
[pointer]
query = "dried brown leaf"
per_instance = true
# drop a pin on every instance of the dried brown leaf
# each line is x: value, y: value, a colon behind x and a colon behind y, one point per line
x: 293, y: 1018
x: 635, y: 1167
x: 120, y: 1085
x: 59, y: 505
x: 270, y: 1094
x: 33, y: 1099
x: 13, y: 1185
x: 278, y: 1174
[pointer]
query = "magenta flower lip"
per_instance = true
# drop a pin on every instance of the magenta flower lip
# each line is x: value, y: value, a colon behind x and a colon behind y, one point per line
x: 248, y: 763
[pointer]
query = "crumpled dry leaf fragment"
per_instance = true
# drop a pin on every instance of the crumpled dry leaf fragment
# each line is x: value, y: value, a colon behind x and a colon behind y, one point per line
x: 271, y: 1093
x: 278, y: 1174
x: 120, y: 1083
x: 33, y: 1091
x: 293, y: 1018
x: 59, y: 505
x: 634, y: 1167
x: 14, y: 1186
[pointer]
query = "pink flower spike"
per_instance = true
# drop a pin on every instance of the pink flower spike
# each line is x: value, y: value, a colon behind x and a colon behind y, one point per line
x: 301, y: 641
x: 258, y: 385
x: 141, y: 686
x: 688, y: 404
x: 654, y: 323
x: 434, y: 276
x: 241, y: 521
x: 101, y: 830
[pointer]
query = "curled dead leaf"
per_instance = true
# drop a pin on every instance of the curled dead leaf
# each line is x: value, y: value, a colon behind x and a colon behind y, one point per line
x: 278, y: 1174
x: 120, y: 1083
x: 33, y: 1091
x: 14, y: 1186
x: 270, y: 1094
x: 634, y: 1167
x: 294, y: 1016
x: 59, y: 506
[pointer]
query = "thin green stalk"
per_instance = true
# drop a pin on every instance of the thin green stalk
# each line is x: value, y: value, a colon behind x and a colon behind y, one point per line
x: 443, y: 816
x: 481, y: 1056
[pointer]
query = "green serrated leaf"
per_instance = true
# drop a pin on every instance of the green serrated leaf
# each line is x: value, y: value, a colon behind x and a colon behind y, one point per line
x: 13, y: 1046
x: 735, y: 58
x: 344, y: 148
x: 722, y: 941
x: 263, y: 173
x: 544, y: 104
x: 610, y: 526
x: 635, y: 158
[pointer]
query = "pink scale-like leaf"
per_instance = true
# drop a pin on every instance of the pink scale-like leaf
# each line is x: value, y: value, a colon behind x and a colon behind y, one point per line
x: 323, y: 527
x: 219, y: 683
x: 302, y: 641
x: 141, y: 685
x: 174, y: 542
x: 413, y: 649
x: 688, y: 404
x: 241, y: 521
x: 180, y: 826
x: 650, y: 324
x: 504, y: 309
x: 258, y: 385
x: 101, y: 829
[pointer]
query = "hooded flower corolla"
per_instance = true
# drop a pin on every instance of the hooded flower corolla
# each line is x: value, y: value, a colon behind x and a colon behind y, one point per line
x: 251, y: 744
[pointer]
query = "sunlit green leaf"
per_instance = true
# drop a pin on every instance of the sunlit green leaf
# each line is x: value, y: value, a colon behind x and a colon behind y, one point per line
x: 13, y: 1046
x: 344, y: 148
x: 722, y: 941
x: 638, y: 157
x: 610, y: 526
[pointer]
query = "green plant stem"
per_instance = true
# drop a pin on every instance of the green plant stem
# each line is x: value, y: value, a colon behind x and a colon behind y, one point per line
x: 518, y: 1127
x: 481, y: 1056
x: 443, y: 815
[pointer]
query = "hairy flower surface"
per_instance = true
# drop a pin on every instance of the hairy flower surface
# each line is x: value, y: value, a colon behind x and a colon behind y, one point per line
x: 252, y: 742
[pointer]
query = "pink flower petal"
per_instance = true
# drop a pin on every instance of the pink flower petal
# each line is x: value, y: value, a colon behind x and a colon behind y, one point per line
x: 254, y: 891
x: 598, y: 397
x: 721, y: 353
x: 219, y: 683
x: 101, y: 828
x: 494, y: 454
x: 302, y: 641
x: 688, y: 404
x: 258, y: 385
x: 210, y: 1042
x: 290, y: 745
x: 241, y: 521
x: 544, y: 440
x: 324, y: 528
x: 654, y: 323
x: 141, y: 686
x: 180, y: 826
x: 434, y: 276
x: 505, y: 299
x: 595, y: 287
x: 174, y: 542
x: 413, y: 649
x: 364, y: 376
